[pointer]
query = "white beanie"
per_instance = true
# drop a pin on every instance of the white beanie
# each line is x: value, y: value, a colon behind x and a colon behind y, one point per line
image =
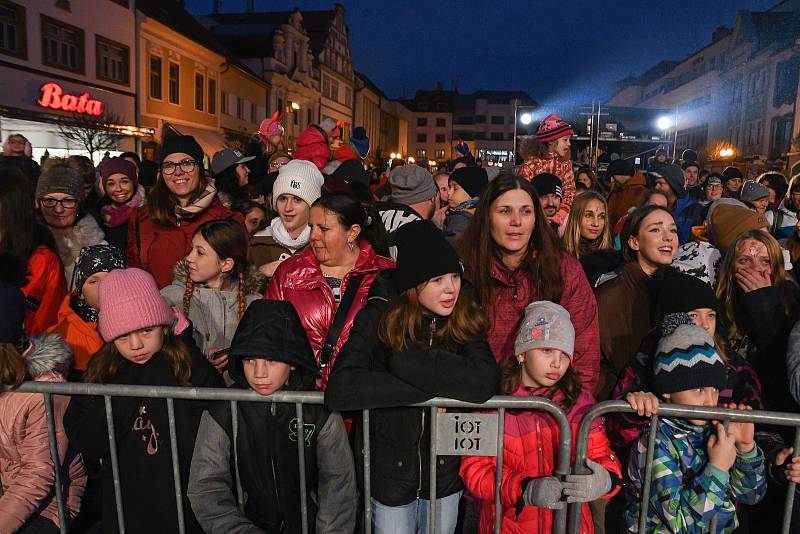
x: 300, y: 178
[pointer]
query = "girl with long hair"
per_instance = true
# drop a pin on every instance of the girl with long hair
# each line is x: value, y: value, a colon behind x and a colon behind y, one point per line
x: 541, y: 368
x: 119, y: 182
x: 587, y: 235
x: 213, y: 286
x: 512, y: 257
x: 142, y: 347
x: 419, y: 337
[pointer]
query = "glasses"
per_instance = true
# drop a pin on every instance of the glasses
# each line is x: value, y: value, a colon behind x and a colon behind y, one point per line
x: 186, y: 165
x: 276, y: 165
x: 66, y: 203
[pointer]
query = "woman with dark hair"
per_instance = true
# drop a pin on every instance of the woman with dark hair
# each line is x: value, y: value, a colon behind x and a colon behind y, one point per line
x: 784, y: 218
x: 777, y: 186
x: 623, y: 303
x: 231, y: 175
x: 160, y: 232
x: 513, y: 257
x: 27, y: 239
x: 585, y: 179
x: 340, y: 256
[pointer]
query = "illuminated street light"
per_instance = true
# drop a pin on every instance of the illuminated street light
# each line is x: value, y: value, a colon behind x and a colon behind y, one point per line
x: 526, y: 118
x: 393, y: 155
x: 431, y: 163
x: 411, y: 159
x: 295, y: 106
x: 726, y: 153
x: 664, y: 123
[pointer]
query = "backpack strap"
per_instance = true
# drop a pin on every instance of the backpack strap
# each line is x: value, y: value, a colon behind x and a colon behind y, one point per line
x: 339, y: 319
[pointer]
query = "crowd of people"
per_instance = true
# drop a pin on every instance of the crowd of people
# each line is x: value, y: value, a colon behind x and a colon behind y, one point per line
x: 295, y: 268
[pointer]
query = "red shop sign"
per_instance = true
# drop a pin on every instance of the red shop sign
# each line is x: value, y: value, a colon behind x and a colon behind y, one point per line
x: 53, y: 97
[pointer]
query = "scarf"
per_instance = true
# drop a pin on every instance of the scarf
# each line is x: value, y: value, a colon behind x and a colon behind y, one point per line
x: 115, y: 215
x: 586, y: 246
x: 282, y: 237
x: 198, y: 205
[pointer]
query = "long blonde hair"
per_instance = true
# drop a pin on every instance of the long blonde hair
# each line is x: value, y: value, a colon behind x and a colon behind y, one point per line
x: 572, y: 232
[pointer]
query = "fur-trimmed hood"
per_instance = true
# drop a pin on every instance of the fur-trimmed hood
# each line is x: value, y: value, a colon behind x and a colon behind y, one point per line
x: 47, y: 354
x: 253, y: 280
x: 86, y: 232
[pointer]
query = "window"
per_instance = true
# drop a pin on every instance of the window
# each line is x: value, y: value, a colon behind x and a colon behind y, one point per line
x: 441, y: 122
x: 326, y: 86
x: 498, y: 119
x: 334, y: 90
x: 212, y: 96
x: 239, y: 107
x: 62, y: 45
x: 253, y: 113
x: 113, y: 60
x: 223, y: 102
x: 786, y: 75
x: 174, y: 83
x: 422, y: 122
x: 155, y: 77
x: 280, y: 106
x: 440, y: 138
x: 496, y: 136
x: 310, y: 116
x: 422, y: 153
x: 480, y: 135
x: 199, y: 91
x: 348, y: 95
x: 440, y: 154
x: 465, y: 119
x: 12, y: 30
x: 422, y: 138
x: 480, y: 119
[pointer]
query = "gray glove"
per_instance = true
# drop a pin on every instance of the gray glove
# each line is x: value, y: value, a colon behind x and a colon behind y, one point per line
x: 585, y: 488
x: 544, y: 492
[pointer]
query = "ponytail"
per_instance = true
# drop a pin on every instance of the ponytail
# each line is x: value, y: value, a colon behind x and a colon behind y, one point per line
x: 242, y: 295
x: 187, y: 295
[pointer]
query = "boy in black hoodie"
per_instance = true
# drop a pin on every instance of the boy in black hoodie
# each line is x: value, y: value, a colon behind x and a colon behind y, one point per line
x: 270, y: 352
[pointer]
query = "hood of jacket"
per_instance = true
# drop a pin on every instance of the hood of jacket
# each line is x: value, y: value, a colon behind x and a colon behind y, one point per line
x: 272, y: 328
x: 47, y: 354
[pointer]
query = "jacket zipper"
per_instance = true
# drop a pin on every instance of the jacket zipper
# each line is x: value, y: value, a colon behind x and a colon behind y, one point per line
x: 274, y: 472
x: 432, y: 332
x: 419, y: 454
x: 516, y: 291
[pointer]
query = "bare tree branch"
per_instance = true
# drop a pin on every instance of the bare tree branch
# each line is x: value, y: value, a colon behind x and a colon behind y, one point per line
x: 94, y: 134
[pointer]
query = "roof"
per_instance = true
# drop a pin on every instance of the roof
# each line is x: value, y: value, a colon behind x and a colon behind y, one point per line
x: 522, y: 96
x: 370, y: 84
x: 775, y: 28
x: 317, y: 25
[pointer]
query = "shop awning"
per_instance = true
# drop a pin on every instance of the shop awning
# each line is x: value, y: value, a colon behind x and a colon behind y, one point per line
x: 211, y: 140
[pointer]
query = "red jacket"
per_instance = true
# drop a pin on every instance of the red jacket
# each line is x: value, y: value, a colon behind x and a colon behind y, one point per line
x: 312, y: 145
x: 45, y: 290
x: 158, y: 248
x: 299, y: 280
x: 530, y: 449
x: 512, y: 292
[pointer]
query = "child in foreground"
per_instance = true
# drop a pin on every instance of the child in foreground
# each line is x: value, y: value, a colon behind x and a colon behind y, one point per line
x: 700, y: 470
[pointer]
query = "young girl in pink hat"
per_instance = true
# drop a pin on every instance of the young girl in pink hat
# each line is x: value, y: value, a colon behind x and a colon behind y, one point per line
x: 142, y: 347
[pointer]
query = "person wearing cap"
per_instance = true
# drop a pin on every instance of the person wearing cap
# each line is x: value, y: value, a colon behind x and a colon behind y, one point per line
x: 627, y: 185
x: 160, y: 232
x: 671, y: 181
x: 270, y: 133
x: 757, y: 195
x: 658, y: 160
x: 60, y: 196
x: 550, y: 191
x: 298, y: 186
x: 231, y: 175
x: 733, y: 179
x: 413, y: 197
x: 691, y: 171
x: 464, y: 188
x: 122, y: 193
x: 694, y: 215
x: 416, y: 308
x: 549, y: 151
x: 785, y: 220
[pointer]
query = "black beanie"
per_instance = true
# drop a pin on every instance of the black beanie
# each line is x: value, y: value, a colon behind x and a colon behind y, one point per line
x: 473, y: 180
x: 729, y: 173
x: 677, y: 292
x: 621, y: 167
x: 546, y: 184
x: 183, y: 143
x: 422, y: 253
x: 12, y: 300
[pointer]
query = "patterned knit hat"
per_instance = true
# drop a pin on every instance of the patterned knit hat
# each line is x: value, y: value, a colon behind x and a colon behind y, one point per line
x: 546, y: 325
x: 270, y: 127
x: 752, y: 190
x: 130, y: 301
x: 686, y: 357
x: 553, y: 127
x: 300, y: 178
x: 92, y: 259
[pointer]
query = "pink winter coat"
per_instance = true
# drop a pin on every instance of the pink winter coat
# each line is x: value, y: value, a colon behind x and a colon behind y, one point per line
x: 299, y: 280
x: 312, y: 145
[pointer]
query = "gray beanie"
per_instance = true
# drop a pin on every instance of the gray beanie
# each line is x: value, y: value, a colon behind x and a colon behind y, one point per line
x: 61, y: 179
x: 752, y: 190
x: 411, y: 184
x: 546, y: 325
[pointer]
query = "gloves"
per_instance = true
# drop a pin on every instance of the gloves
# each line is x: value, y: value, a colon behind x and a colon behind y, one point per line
x: 584, y: 488
x: 544, y: 492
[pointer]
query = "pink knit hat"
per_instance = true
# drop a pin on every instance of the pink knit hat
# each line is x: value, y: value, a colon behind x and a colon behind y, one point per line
x: 553, y: 127
x: 270, y: 127
x: 129, y: 301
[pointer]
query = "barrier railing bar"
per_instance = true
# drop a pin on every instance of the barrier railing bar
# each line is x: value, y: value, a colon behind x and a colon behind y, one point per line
x: 301, y: 460
x: 367, y: 475
x: 713, y: 525
x: 112, y: 447
x: 648, y: 472
x: 51, y: 435
x: 432, y: 468
x: 791, y: 489
x: 498, y: 474
x: 176, y: 469
x: 235, y: 447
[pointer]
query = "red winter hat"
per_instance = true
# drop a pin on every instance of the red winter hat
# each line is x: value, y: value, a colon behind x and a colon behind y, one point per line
x: 553, y: 127
x: 118, y: 166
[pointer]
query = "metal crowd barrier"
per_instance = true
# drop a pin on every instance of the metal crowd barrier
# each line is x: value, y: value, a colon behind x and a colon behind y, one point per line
x: 458, y: 433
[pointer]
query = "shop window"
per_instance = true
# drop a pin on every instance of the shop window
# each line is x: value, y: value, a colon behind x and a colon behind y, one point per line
x: 113, y: 60
x: 174, y: 83
x: 12, y: 30
x: 155, y: 77
x: 199, y: 91
x: 62, y: 45
x: 223, y: 102
x: 440, y: 154
x: 212, y: 96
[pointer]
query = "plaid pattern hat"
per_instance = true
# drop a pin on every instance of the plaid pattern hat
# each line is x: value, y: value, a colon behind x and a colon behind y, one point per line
x: 686, y: 357
x: 546, y: 325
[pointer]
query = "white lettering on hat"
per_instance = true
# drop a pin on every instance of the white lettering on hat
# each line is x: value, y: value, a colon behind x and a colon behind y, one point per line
x: 294, y: 185
x: 237, y: 153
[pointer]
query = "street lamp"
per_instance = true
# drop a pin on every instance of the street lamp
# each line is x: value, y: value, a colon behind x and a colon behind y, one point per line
x: 526, y: 118
x: 664, y: 123
x: 411, y: 159
x: 394, y: 156
x: 295, y: 106
x: 726, y: 153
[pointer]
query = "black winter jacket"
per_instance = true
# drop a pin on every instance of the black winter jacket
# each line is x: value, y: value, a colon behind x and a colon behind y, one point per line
x: 370, y: 375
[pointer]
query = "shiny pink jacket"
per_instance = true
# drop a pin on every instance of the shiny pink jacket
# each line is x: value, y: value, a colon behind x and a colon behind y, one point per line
x: 299, y: 280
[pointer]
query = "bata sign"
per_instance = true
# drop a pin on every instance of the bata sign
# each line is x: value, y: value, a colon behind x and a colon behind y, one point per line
x: 54, y: 97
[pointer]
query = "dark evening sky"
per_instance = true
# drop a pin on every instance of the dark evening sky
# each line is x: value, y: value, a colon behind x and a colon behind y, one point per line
x: 561, y: 52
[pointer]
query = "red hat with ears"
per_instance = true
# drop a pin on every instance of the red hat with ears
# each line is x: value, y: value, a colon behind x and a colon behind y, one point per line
x: 270, y: 127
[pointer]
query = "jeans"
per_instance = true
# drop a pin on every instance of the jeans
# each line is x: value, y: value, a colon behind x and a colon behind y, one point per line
x: 412, y: 518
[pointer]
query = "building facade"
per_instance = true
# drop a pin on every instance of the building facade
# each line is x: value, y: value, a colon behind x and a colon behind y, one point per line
x: 430, y: 130
x: 367, y: 113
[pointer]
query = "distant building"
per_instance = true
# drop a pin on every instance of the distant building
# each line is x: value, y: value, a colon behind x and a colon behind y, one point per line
x: 430, y: 131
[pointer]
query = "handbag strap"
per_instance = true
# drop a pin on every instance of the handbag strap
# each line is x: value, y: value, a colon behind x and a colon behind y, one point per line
x: 339, y: 319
